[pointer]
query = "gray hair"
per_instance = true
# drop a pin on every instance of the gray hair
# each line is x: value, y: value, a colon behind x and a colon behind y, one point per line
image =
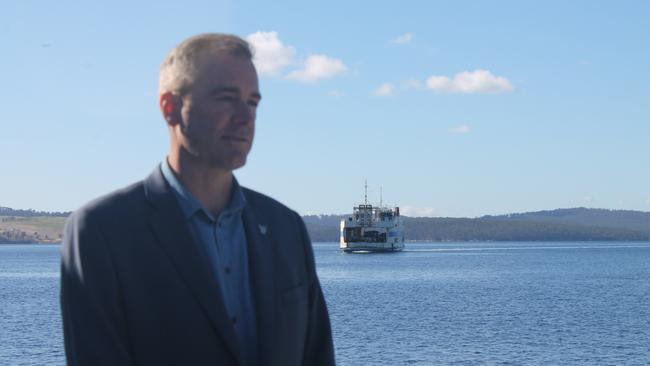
x: 178, y: 71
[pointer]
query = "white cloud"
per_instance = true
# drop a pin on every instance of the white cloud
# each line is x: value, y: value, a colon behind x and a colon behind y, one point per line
x: 648, y: 201
x: 462, y: 129
x: 271, y: 55
x: 403, y: 39
x: 467, y: 82
x: 335, y: 93
x: 318, y: 67
x: 384, y: 90
x: 413, y: 211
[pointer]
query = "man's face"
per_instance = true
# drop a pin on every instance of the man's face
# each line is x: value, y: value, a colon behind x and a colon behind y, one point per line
x: 218, y: 113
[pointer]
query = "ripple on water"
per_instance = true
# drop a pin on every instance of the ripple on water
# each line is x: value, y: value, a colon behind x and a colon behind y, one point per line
x: 434, y: 304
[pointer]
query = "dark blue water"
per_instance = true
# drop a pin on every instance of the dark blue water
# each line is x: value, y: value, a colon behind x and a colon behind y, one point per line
x: 434, y: 304
x: 30, y: 320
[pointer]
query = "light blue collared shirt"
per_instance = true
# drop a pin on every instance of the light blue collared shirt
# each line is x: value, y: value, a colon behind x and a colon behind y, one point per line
x: 223, y: 241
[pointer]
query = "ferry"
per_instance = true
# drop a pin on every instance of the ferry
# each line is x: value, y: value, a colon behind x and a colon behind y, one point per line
x: 372, y: 229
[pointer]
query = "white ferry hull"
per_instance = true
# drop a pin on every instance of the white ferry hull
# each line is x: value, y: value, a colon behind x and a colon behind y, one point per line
x: 371, y: 247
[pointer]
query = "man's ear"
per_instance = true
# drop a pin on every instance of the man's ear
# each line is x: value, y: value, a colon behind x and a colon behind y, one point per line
x: 170, y: 106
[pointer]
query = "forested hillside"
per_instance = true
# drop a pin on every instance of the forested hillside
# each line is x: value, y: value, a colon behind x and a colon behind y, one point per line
x: 578, y: 224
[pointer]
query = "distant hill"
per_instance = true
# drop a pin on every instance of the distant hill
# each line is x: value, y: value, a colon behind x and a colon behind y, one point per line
x: 576, y: 224
x: 39, y: 229
x: 323, y: 228
x: 573, y: 224
x: 30, y: 226
x: 623, y: 219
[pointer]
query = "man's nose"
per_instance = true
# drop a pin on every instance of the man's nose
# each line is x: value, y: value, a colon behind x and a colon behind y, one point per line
x: 245, y: 112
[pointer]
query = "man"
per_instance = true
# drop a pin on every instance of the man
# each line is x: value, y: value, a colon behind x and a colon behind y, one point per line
x: 187, y: 267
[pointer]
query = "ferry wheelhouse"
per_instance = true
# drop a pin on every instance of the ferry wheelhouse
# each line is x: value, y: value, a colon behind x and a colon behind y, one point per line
x: 372, y: 229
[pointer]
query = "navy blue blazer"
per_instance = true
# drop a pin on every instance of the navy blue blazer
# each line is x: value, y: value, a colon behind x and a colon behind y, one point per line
x: 135, y: 289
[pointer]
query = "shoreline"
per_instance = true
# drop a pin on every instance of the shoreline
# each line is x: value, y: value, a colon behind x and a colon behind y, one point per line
x: 416, y: 242
x: 34, y: 243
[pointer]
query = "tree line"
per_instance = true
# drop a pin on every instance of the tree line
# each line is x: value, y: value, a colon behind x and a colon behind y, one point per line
x: 6, y: 211
x: 557, y: 225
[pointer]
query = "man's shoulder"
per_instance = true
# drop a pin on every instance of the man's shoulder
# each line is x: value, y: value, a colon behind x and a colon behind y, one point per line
x: 122, y: 203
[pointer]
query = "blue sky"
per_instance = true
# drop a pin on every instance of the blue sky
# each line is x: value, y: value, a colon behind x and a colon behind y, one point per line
x: 456, y: 108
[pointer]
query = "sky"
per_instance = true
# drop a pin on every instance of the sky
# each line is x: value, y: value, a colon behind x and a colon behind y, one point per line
x: 453, y: 108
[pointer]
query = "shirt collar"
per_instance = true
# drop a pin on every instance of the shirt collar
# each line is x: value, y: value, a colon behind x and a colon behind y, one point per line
x: 190, y: 204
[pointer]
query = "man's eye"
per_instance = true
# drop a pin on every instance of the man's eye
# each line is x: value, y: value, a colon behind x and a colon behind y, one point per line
x: 253, y: 103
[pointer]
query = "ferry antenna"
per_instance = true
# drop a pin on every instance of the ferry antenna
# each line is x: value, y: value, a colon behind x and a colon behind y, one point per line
x: 381, y: 201
x: 366, y: 192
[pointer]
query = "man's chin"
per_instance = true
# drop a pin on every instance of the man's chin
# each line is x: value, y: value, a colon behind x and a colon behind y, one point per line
x: 231, y: 164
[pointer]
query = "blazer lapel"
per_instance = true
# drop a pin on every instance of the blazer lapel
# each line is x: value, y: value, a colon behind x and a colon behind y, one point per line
x: 175, y: 239
x: 260, y: 257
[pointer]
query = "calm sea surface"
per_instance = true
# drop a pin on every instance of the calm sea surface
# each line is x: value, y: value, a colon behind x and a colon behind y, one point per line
x: 434, y: 304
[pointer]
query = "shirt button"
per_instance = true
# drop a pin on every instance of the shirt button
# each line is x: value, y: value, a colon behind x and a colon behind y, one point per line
x: 227, y: 269
x: 234, y: 319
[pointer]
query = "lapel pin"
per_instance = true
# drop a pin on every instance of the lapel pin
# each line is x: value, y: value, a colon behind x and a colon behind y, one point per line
x: 262, y: 229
